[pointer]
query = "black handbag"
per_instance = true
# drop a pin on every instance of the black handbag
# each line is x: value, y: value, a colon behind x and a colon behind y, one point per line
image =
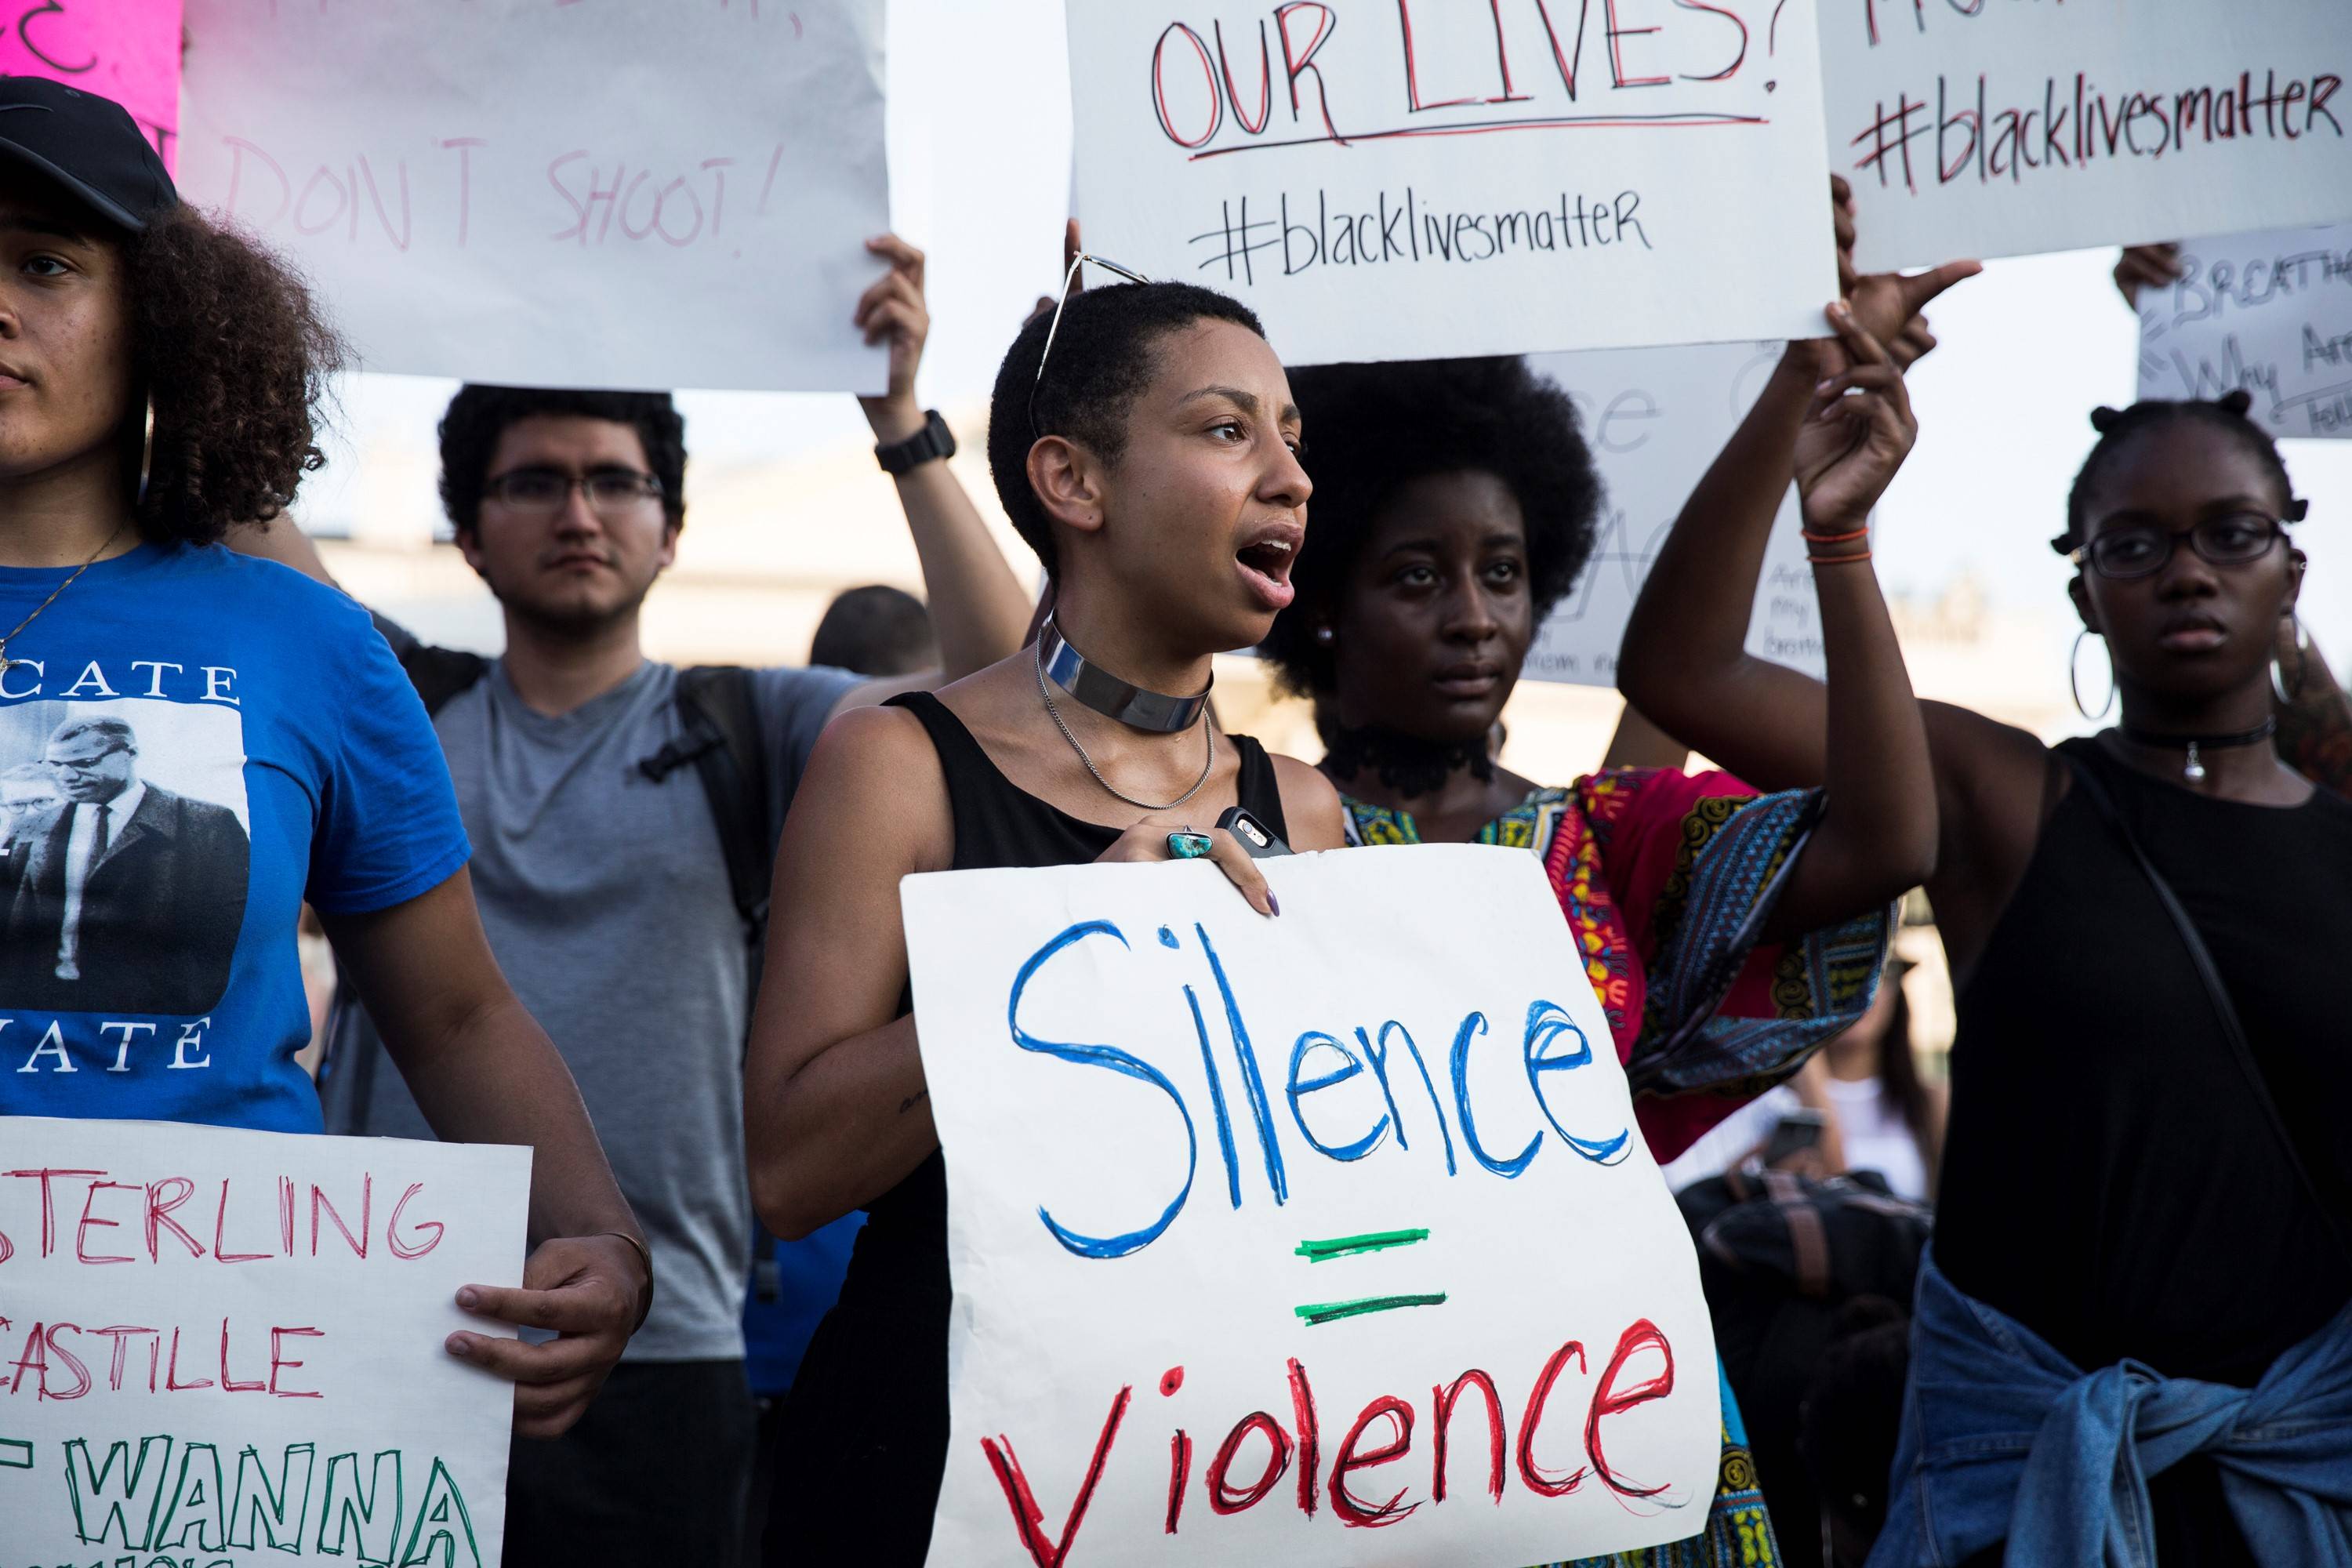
x: 2224, y: 1011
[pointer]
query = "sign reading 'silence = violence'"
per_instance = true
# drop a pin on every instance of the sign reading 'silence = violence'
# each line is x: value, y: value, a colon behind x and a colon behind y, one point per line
x: 2026, y: 125
x: 1402, y: 179
x: 2269, y: 312
x: 1321, y: 1241
x: 222, y: 1349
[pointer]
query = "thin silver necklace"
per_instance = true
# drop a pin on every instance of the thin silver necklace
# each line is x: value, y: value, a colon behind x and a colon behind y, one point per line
x: 6, y: 663
x: 1207, y: 728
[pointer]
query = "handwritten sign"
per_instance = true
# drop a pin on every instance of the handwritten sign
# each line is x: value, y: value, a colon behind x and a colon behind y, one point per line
x: 1318, y: 1240
x: 127, y: 51
x: 615, y: 194
x: 225, y: 1347
x: 2270, y: 312
x: 1970, y: 129
x: 1386, y: 180
x: 1655, y: 418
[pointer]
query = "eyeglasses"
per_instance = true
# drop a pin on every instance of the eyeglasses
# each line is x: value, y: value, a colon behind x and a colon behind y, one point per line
x: 81, y: 764
x: 613, y: 493
x: 2235, y: 539
x: 1069, y: 279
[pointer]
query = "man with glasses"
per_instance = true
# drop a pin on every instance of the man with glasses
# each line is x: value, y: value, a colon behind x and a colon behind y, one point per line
x: 123, y: 897
x: 622, y: 813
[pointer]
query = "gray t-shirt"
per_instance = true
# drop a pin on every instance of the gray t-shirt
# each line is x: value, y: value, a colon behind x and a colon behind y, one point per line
x: 606, y: 898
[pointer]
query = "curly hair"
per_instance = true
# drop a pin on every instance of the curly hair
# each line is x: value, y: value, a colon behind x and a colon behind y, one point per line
x: 1375, y: 427
x: 479, y: 414
x: 1103, y: 359
x: 227, y: 341
x: 2118, y: 428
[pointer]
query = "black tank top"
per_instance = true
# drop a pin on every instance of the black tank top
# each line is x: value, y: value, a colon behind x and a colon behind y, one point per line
x: 866, y: 1433
x: 2109, y: 1178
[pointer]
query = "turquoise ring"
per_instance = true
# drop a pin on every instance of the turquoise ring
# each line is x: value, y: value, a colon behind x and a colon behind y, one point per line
x: 1189, y: 844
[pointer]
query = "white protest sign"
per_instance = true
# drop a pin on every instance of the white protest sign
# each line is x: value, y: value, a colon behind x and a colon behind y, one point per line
x: 1341, y: 1246
x: 1970, y: 129
x: 1655, y: 419
x: 2270, y: 312
x: 226, y: 1347
x: 1413, y: 179
x: 627, y: 194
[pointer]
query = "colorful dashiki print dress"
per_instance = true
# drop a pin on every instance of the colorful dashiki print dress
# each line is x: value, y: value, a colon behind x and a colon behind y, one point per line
x: 1666, y: 878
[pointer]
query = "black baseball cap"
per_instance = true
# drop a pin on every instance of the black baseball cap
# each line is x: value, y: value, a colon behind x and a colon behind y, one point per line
x: 88, y: 144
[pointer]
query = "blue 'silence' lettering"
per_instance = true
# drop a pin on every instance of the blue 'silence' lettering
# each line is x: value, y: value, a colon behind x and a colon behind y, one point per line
x: 1377, y: 1051
x: 1117, y: 1061
x: 1216, y: 1097
x: 1299, y: 1089
x: 1474, y: 1025
x: 1548, y: 1024
x: 1250, y: 1081
x: 1320, y: 1061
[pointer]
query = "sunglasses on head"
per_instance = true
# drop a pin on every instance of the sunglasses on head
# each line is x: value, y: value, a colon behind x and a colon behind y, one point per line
x: 1069, y: 280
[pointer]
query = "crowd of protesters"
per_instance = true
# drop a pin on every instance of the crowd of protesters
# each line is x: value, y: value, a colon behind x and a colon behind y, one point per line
x: 645, y: 919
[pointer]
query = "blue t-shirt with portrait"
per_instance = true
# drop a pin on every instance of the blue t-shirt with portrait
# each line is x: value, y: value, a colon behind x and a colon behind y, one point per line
x: 192, y: 743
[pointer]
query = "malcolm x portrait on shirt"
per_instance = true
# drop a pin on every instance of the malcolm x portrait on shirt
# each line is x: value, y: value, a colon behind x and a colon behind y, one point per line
x: 117, y: 895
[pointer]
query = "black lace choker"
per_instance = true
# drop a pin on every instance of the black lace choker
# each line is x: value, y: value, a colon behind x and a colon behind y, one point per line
x: 2193, y: 770
x: 1405, y: 763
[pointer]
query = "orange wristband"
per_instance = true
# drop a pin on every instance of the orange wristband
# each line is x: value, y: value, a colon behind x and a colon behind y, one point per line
x: 1838, y: 560
x: 1811, y: 537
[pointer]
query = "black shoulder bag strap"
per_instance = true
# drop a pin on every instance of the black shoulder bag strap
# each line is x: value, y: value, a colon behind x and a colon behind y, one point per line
x: 2224, y: 1011
x: 719, y: 732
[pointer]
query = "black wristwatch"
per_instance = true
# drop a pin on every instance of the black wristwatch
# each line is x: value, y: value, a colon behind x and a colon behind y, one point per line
x: 933, y: 440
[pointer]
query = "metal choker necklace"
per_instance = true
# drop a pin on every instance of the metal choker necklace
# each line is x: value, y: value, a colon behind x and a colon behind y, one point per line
x: 1109, y: 696
x: 2194, y: 769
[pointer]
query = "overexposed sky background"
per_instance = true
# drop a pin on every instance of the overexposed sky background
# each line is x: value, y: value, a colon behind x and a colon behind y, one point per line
x: 979, y: 154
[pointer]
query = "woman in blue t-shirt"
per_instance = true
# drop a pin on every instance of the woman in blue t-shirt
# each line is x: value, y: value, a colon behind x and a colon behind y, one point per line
x: 194, y: 743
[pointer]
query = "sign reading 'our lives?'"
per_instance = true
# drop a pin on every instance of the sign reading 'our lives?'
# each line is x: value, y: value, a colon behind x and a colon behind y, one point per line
x: 1995, y: 129
x: 2269, y: 312
x: 1327, y: 1239
x: 626, y: 194
x: 225, y: 1347
x: 1409, y: 181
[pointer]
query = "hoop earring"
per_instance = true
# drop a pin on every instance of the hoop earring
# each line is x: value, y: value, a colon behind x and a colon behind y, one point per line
x: 2287, y: 692
x: 2073, y: 679
x: 146, y: 451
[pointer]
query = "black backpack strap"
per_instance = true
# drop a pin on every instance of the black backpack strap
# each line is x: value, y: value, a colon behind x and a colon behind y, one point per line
x: 441, y: 673
x: 2225, y: 1012
x: 718, y: 733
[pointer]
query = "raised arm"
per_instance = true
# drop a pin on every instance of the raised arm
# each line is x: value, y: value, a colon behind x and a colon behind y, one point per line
x: 484, y: 1072
x: 281, y: 540
x: 1685, y: 661
x: 979, y: 609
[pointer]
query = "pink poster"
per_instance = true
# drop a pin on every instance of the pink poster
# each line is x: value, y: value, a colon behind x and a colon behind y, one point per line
x: 127, y: 51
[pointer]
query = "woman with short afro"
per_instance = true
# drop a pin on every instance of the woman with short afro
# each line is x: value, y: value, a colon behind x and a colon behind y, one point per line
x: 1726, y: 934
x: 197, y: 742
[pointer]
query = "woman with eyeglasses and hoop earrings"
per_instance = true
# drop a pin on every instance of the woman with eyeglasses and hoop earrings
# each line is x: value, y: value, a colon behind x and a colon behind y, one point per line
x: 1145, y: 443
x: 2132, y: 1341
